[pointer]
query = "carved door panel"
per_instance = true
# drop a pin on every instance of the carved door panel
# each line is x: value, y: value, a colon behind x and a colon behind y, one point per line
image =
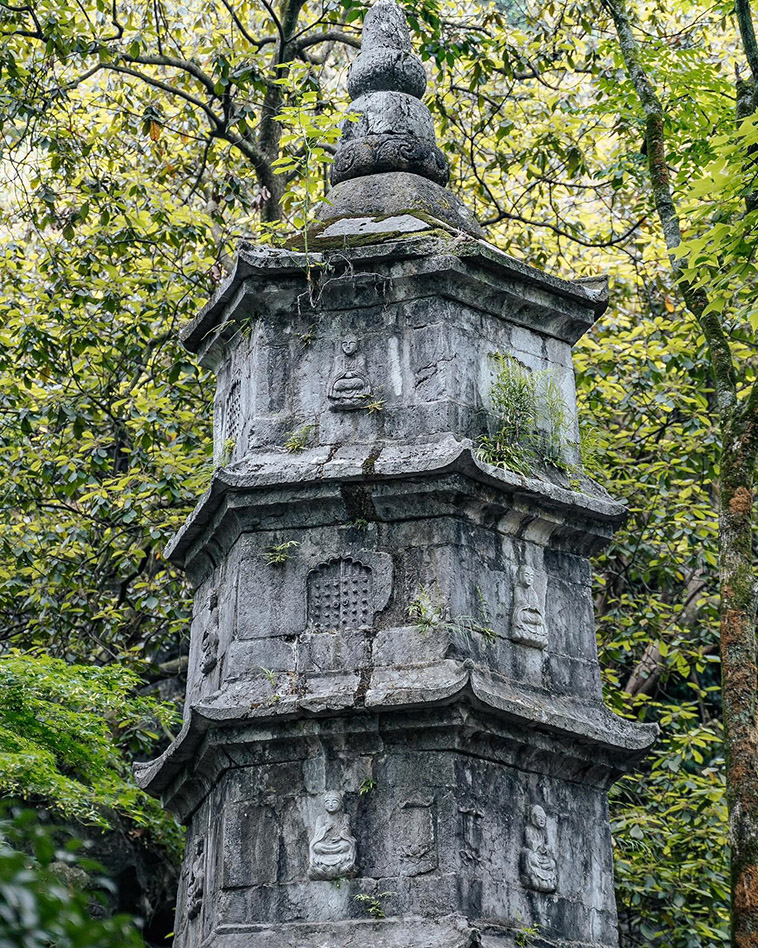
x: 417, y: 835
x: 471, y: 833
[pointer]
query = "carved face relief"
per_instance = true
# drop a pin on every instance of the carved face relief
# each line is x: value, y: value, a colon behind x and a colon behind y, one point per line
x: 537, y: 861
x: 350, y: 388
x: 332, y: 848
x: 528, y: 621
x: 332, y: 802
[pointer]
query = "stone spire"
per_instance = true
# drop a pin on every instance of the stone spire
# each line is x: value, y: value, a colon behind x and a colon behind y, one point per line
x: 395, y: 131
x: 387, y: 163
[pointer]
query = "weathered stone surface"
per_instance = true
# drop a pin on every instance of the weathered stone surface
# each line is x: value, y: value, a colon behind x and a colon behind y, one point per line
x: 397, y: 192
x: 394, y: 130
x: 387, y: 60
x: 394, y: 731
x: 454, y: 848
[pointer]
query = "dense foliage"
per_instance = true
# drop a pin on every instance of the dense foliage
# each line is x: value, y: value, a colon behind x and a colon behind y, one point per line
x: 68, y: 734
x: 49, y: 892
x: 139, y: 140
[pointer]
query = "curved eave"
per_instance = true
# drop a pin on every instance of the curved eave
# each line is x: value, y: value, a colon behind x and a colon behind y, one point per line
x: 590, y: 296
x: 394, y: 462
x: 442, y: 683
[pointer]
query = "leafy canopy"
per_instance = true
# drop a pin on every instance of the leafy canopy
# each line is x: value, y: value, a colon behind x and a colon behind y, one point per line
x: 67, y: 734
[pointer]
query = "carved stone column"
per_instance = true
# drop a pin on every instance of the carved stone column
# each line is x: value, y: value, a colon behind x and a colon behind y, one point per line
x: 394, y: 733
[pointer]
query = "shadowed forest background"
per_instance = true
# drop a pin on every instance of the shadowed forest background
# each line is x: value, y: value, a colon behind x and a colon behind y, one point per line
x: 139, y: 142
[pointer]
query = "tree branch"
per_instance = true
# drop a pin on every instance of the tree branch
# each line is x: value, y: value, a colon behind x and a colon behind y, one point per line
x: 329, y: 36
x: 189, y: 67
x: 215, y: 121
x: 747, y: 32
x: 696, y: 300
x: 610, y: 242
x: 241, y: 27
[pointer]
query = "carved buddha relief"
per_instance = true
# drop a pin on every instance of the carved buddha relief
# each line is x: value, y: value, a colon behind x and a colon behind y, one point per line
x: 196, y: 884
x: 332, y: 848
x: 210, y: 640
x: 349, y: 388
x: 538, y: 866
x: 528, y: 621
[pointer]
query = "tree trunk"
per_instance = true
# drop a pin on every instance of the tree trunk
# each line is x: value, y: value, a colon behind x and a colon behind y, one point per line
x: 739, y: 675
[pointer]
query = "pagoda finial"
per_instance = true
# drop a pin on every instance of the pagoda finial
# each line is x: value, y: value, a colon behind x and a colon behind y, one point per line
x: 394, y: 131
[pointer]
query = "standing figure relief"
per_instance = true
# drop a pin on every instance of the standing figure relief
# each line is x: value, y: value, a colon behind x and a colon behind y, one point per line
x: 196, y: 884
x: 332, y: 850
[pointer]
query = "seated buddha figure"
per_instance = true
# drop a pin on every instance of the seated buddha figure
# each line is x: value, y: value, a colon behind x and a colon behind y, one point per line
x: 537, y: 862
x: 332, y: 848
x: 528, y: 619
x: 349, y: 388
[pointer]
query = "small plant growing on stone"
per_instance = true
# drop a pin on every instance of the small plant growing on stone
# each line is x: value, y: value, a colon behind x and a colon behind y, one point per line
x: 280, y: 553
x: 226, y: 454
x: 525, y: 936
x: 374, y: 405
x: 271, y: 678
x: 531, y: 418
x: 373, y: 903
x: 306, y: 338
x: 427, y: 611
x: 367, y: 786
x: 298, y: 439
x: 481, y: 623
x: 360, y: 524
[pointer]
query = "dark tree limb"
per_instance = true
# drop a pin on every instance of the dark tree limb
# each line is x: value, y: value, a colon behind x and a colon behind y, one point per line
x: 747, y: 33
x: 329, y: 36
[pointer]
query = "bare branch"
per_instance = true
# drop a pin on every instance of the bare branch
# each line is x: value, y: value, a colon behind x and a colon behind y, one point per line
x: 279, y: 28
x: 173, y: 61
x: 241, y: 27
x: 609, y: 242
x: 215, y: 121
x: 329, y: 36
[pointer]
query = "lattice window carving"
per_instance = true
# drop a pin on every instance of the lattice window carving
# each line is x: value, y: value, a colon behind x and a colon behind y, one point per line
x: 233, y: 413
x: 340, y: 595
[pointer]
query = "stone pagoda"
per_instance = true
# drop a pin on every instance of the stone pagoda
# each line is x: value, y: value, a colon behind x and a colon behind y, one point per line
x: 394, y: 734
